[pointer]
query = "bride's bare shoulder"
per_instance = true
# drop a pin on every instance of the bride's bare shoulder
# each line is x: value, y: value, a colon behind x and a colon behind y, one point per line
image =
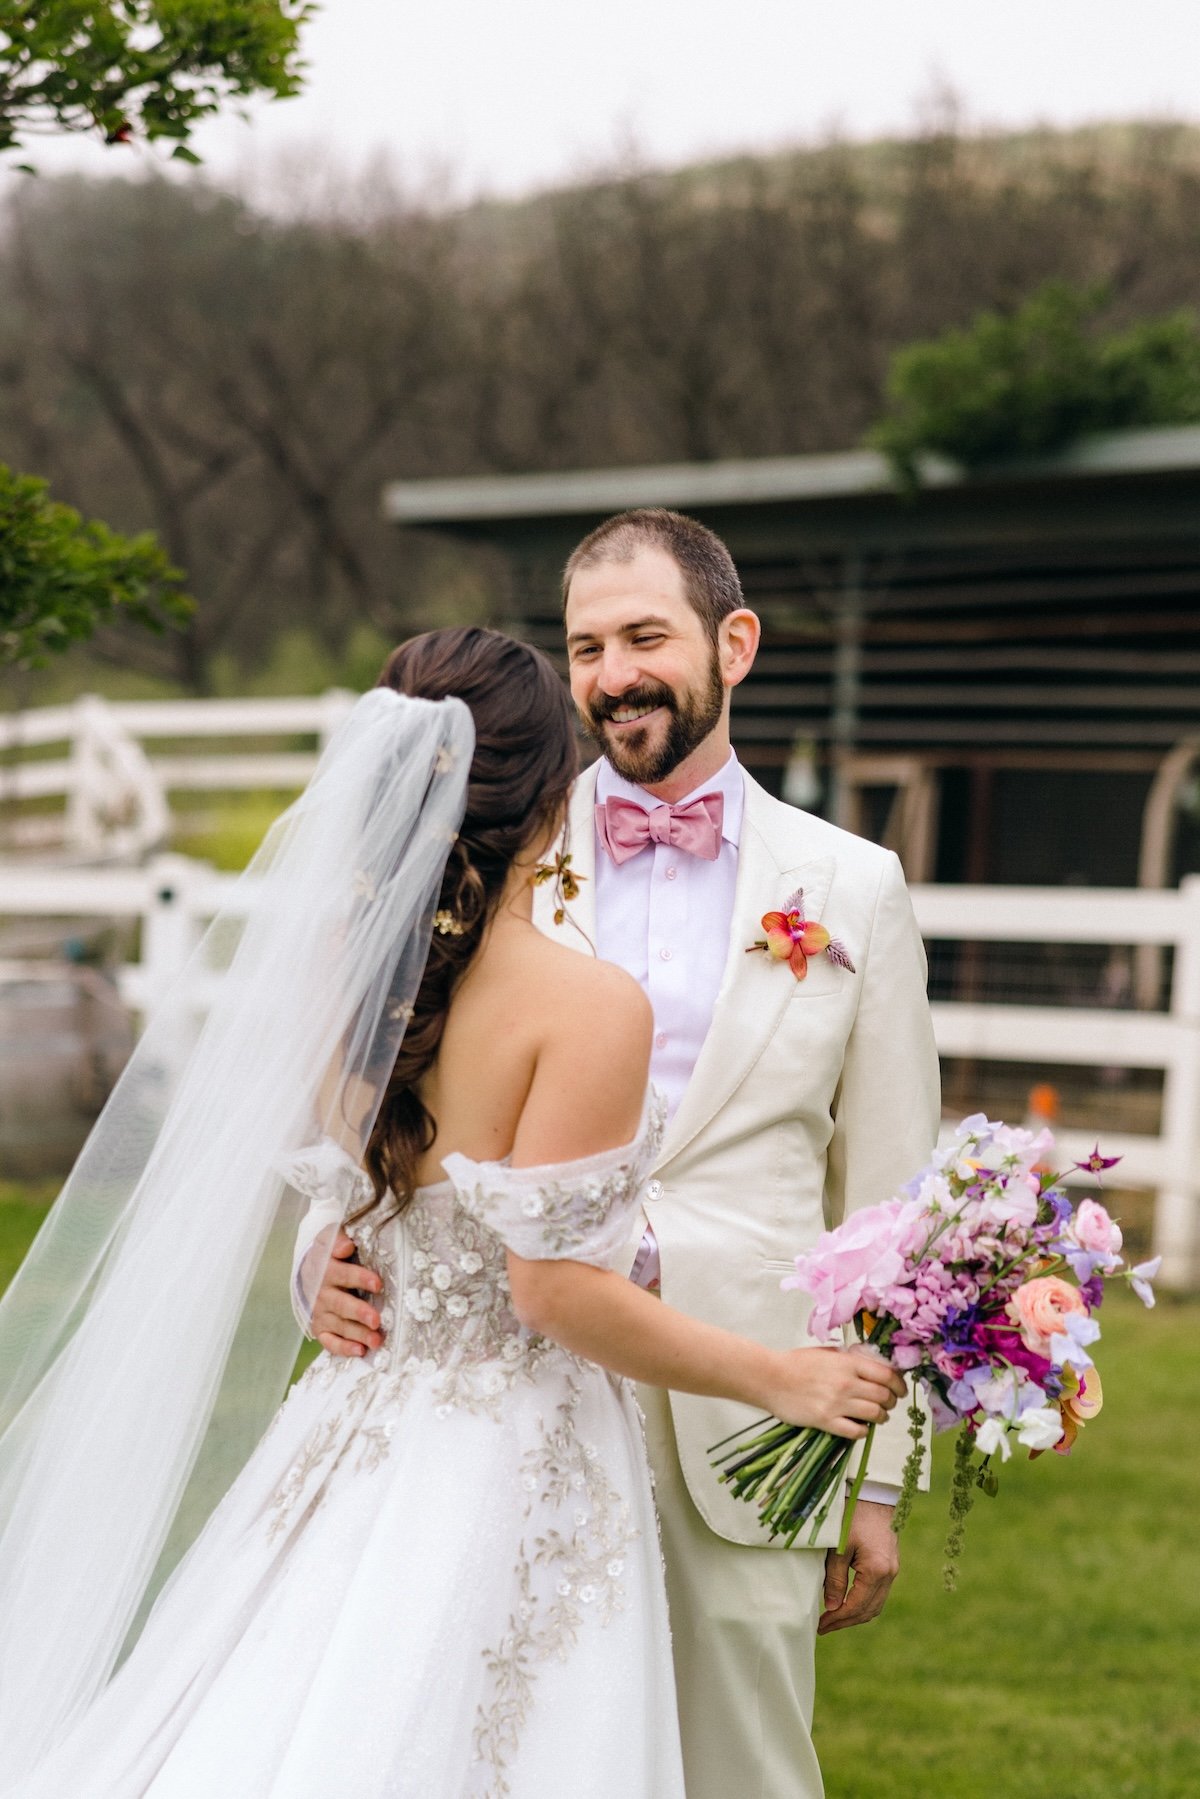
x: 557, y: 981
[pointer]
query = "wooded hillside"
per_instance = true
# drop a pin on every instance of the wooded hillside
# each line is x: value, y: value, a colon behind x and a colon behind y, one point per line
x: 244, y: 385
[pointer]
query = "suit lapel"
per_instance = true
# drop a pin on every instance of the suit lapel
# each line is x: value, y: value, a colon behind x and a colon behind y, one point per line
x: 581, y: 844
x: 754, y: 989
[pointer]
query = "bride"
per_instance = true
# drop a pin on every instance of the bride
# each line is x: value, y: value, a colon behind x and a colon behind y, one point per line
x: 391, y: 1037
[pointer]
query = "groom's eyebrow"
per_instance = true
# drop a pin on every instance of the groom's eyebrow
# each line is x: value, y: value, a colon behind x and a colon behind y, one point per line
x: 641, y: 624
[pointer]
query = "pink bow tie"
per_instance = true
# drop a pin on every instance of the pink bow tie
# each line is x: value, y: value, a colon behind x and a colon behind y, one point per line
x: 624, y: 827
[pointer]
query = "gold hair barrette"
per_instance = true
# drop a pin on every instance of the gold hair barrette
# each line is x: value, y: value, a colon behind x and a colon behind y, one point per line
x: 448, y: 924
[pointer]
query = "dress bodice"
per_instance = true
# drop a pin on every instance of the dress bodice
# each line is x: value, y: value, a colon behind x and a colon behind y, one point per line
x: 445, y: 1307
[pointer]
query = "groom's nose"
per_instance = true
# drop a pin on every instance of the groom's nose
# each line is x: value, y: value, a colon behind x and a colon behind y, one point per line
x: 618, y: 671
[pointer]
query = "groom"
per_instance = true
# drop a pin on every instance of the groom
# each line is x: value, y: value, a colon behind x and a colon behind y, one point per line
x: 796, y: 1095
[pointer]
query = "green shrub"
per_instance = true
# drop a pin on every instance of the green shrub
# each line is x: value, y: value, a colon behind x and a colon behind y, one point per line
x: 1028, y: 382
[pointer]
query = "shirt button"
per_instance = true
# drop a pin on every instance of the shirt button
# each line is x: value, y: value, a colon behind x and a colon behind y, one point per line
x: 660, y: 1042
x: 672, y: 872
x: 664, y: 955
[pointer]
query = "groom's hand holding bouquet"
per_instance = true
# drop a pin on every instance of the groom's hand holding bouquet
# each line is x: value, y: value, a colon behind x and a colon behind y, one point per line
x: 981, y: 1281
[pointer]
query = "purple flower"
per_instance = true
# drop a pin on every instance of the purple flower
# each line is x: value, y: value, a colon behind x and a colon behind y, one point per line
x: 1140, y: 1278
x: 1092, y: 1293
x: 1059, y: 1204
x: 943, y: 1415
x: 1096, y: 1163
x: 1084, y: 1263
x: 958, y: 1325
x: 1068, y: 1347
x: 963, y: 1393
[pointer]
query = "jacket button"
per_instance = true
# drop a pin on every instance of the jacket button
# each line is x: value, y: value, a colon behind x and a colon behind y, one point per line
x: 654, y: 1190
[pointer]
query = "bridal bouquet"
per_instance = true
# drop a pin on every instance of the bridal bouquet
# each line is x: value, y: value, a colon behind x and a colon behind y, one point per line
x: 981, y: 1281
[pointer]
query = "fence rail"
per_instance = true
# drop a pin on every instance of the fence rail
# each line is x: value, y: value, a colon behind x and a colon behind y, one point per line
x: 1043, y: 1036
x: 173, y: 897
x: 115, y: 788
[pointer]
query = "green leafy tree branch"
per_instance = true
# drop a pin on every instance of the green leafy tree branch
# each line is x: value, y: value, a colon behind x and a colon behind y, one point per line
x: 123, y: 69
x: 149, y: 69
x: 1030, y: 381
x: 62, y: 575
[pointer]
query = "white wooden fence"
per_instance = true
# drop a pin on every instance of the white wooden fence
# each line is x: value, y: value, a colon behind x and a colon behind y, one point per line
x: 115, y: 788
x: 1043, y: 1036
x: 173, y: 897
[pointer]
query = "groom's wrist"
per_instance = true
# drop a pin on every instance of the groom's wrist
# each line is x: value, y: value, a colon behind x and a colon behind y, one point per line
x: 878, y: 1492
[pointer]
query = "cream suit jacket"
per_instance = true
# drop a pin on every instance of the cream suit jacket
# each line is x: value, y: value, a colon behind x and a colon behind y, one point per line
x: 809, y: 1099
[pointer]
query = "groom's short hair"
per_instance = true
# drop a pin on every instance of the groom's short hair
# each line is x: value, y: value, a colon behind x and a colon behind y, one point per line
x: 710, y: 581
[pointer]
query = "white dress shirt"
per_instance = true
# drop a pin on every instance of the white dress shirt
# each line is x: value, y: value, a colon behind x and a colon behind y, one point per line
x: 664, y: 916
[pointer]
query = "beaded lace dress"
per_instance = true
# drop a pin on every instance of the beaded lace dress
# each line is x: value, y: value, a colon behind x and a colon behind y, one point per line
x: 439, y: 1575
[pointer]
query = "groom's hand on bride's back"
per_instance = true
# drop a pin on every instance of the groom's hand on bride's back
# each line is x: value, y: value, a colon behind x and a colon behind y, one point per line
x: 343, y: 1320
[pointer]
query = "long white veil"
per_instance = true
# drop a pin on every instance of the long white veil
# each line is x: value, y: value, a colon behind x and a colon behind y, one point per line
x: 148, y: 1337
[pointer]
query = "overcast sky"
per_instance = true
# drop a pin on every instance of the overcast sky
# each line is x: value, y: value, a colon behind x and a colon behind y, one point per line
x: 504, y: 95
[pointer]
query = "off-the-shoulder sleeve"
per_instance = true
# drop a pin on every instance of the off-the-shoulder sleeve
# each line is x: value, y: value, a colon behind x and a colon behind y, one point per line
x: 334, y: 1185
x: 577, y: 1211
x: 327, y: 1175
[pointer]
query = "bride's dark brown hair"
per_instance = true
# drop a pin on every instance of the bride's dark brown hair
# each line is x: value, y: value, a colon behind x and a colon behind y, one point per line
x: 526, y: 756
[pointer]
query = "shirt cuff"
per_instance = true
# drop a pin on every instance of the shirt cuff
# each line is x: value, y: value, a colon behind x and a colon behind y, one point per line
x: 879, y: 1492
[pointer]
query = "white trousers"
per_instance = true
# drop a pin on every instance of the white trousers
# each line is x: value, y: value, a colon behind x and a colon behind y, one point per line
x: 743, y: 1627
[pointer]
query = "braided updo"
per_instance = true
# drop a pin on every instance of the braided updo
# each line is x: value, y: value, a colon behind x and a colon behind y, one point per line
x: 526, y: 757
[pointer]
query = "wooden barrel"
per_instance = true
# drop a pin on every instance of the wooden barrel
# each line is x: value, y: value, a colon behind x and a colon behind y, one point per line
x: 64, y: 1038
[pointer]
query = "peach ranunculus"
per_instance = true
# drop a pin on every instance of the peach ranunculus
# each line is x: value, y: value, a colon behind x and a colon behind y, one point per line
x: 1038, y: 1308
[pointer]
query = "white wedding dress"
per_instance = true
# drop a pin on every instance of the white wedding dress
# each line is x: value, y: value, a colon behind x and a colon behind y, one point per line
x: 438, y: 1577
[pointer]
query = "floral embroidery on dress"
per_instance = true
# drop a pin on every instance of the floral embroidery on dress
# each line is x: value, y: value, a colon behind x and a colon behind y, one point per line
x: 581, y: 1213
x: 567, y: 1575
x: 451, y: 1322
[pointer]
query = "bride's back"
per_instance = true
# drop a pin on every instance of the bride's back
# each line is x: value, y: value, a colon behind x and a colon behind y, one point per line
x: 540, y: 1042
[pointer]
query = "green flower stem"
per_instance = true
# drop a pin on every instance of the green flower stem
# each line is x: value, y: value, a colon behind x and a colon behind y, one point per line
x: 800, y: 1479
x: 852, y: 1497
x: 775, y: 1424
x: 835, y: 1478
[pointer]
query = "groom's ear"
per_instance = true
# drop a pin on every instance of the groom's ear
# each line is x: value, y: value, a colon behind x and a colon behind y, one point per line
x: 738, y: 636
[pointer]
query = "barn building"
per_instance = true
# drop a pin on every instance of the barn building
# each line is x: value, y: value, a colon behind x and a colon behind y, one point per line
x: 999, y: 676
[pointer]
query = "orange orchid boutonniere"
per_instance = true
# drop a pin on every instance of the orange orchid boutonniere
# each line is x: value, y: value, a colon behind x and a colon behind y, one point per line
x: 792, y: 938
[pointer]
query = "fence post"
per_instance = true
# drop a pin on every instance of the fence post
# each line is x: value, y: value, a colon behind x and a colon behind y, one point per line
x: 335, y: 704
x: 115, y: 805
x: 1177, y: 1205
x: 172, y: 925
x: 84, y: 832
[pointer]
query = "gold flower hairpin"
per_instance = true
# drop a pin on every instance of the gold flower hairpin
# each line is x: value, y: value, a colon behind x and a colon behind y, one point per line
x: 566, y: 882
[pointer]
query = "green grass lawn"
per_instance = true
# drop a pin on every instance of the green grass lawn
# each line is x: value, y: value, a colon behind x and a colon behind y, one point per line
x: 1067, y: 1664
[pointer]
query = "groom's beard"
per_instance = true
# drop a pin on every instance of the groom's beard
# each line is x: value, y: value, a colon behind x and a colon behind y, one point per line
x: 691, y: 717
